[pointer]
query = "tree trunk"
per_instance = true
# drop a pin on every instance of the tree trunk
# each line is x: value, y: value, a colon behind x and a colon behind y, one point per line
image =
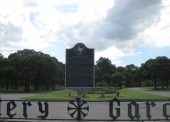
x: 155, y: 84
x: 7, y: 84
x: 167, y: 84
x: 16, y: 85
x: 27, y: 86
x: 36, y: 86
x: 162, y: 84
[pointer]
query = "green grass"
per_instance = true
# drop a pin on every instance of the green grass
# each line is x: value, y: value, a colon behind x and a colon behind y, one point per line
x: 66, y: 95
x: 54, y: 95
x: 125, y: 94
x: 4, y: 90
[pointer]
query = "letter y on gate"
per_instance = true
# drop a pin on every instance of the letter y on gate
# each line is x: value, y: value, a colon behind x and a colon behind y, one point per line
x: 45, y: 111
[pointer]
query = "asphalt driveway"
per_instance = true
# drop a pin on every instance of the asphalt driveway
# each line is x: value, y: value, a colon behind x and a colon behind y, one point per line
x: 15, y: 96
x: 162, y: 93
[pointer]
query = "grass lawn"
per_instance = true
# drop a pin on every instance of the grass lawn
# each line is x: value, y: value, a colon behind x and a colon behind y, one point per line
x: 125, y: 94
x: 4, y: 90
x: 54, y: 95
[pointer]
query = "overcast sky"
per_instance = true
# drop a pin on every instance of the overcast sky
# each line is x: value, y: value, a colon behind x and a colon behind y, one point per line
x: 125, y: 31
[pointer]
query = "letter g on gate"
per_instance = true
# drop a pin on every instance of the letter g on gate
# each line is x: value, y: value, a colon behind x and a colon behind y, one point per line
x: 114, y: 117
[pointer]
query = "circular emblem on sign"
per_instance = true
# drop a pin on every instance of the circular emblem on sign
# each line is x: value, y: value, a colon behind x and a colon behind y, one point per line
x: 79, y: 48
x: 78, y: 108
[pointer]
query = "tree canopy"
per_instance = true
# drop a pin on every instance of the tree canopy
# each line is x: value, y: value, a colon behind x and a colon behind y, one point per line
x: 153, y: 72
x: 31, y: 70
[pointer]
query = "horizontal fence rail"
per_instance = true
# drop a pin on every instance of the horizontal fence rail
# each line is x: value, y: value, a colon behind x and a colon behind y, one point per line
x: 79, y: 109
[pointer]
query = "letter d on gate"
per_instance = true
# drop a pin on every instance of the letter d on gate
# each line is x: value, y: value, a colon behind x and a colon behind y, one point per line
x: 114, y: 117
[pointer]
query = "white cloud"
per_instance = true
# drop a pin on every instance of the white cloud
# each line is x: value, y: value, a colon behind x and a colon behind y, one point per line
x: 41, y: 21
x: 158, y: 34
x: 17, y: 15
x: 113, y: 54
x: 9, y: 35
x: 117, y: 26
x: 117, y: 31
x: 120, y: 27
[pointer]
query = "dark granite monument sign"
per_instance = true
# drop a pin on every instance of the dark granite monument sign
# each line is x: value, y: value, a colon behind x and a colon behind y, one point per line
x: 79, y: 66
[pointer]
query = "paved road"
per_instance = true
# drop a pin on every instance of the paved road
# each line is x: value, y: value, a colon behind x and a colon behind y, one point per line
x: 162, y: 93
x: 15, y: 96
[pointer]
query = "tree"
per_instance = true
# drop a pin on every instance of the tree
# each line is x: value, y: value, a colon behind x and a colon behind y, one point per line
x: 1, y: 56
x: 36, y: 69
x: 150, y: 70
x: 130, y: 74
x: 104, y: 70
x: 162, y: 63
x: 157, y: 70
x: 5, y: 73
x: 118, y: 78
x: 168, y: 72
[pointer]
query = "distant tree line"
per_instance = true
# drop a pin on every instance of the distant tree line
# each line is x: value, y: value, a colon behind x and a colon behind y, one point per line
x: 154, y: 72
x: 30, y: 70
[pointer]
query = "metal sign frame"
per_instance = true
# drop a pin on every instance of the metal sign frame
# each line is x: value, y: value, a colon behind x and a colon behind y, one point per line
x: 80, y: 51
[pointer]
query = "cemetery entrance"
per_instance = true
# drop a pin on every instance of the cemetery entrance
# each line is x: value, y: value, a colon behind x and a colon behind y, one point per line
x: 113, y: 110
x: 80, y: 76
